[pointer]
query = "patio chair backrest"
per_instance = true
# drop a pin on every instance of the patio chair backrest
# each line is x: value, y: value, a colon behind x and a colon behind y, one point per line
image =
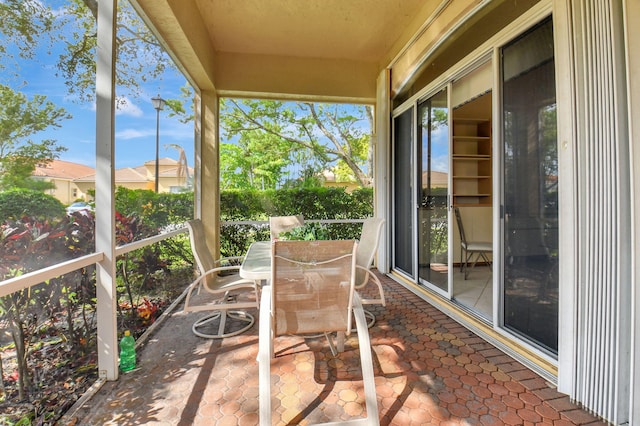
x: 278, y: 224
x: 367, y: 246
x: 203, y: 257
x: 312, y: 286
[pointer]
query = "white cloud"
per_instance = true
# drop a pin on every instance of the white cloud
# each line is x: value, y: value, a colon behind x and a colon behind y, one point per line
x: 125, y: 107
x: 132, y: 134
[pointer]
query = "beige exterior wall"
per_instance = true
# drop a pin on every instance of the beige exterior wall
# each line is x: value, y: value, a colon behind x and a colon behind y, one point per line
x: 67, y: 191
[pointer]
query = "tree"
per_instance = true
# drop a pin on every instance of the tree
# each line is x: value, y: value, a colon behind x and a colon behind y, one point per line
x: 272, y: 135
x: 20, y: 119
x: 140, y: 56
x: 23, y: 25
x: 26, y: 25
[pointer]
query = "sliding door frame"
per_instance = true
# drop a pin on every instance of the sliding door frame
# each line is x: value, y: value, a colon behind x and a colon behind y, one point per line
x: 490, y: 50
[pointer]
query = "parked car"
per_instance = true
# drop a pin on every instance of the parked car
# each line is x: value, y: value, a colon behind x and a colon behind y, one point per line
x: 78, y: 207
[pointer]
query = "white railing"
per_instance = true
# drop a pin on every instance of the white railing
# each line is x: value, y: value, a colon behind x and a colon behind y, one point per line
x: 266, y: 222
x: 30, y: 279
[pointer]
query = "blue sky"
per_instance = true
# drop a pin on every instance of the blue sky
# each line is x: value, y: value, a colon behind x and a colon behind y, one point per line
x: 135, y: 125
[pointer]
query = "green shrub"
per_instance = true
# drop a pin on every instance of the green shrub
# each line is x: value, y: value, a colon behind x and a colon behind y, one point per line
x: 313, y: 203
x: 160, y: 210
x: 16, y: 203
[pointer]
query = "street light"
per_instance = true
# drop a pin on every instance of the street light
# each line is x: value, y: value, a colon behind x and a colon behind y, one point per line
x: 158, y: 104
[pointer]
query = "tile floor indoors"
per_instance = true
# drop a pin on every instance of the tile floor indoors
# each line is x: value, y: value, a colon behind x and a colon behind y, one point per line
x: 429, y: 370
x: 476, y: 292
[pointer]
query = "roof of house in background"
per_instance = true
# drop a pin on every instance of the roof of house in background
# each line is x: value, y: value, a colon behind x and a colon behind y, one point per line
x: 126, y: 174
x: 59, y: 169
x: 440, y: 179
x: 140, y: 173
x: 166, y: 161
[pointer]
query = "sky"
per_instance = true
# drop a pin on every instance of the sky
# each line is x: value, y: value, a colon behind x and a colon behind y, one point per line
x: 135, y: 124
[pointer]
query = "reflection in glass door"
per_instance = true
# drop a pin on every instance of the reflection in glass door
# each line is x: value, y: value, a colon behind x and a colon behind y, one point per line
x: 433, y: 212
x: 531, y: 255
x: 403, y: 255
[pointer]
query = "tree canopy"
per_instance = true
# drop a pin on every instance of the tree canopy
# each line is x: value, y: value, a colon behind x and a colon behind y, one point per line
x: 271, y: 143
x: 29, y: 25
x: 267, y: 138
x: 20, y: 119
x: 65, y: 31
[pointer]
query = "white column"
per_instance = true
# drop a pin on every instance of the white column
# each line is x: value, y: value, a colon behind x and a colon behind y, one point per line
x: 197, y: 161
x: 105, y: 211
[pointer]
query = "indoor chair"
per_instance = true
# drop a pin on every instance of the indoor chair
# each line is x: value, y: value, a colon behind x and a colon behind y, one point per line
x: 480, y: 248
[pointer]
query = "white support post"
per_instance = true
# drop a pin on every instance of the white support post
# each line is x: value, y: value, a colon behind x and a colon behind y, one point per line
x: 105, y: 198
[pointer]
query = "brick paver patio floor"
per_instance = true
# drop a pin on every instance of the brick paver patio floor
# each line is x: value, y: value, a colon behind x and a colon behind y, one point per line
x: 429, y: 370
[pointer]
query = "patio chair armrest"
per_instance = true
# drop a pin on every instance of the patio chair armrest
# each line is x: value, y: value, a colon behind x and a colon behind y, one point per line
x: 200, y: 280
x: 224, y: 286
x: 235, y: 260
x: 371, y: 276
x: 222, y: 268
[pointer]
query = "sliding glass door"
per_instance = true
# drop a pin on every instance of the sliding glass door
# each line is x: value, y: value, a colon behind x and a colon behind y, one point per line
x: 530, y: 226
x: 403, y: 229
x: 491, y: 154
x: 420, y: 209
x: 433, y: 191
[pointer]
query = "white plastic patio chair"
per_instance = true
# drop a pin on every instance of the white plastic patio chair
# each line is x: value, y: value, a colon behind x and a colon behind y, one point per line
x: 367, y: 246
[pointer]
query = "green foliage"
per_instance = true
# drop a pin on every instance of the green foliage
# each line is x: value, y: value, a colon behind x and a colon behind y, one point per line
x: 313, y: 203
x: 270, y: 136
x: 16, y: 203
x: 141, y: 57
x: 311, y: 231
x: 28, y: 245
x: 156, y: 210
x: 20, y: 119
x: 23, y: 25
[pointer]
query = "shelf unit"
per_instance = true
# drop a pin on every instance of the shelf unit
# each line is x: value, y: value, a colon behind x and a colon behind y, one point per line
x: 472, y: 176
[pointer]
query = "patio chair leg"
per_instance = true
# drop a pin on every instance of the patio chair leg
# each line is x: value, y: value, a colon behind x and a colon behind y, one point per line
x: 222, y: 316
x: 332, y: 346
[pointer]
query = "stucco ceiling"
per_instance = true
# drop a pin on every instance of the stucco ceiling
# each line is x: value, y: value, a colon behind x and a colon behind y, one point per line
x: 362, y: 30
x: 332, y: 49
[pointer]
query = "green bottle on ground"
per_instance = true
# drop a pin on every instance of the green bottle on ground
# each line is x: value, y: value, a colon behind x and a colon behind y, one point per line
x: 127, y: 352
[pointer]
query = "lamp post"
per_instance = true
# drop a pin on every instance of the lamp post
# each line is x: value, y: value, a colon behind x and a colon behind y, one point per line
x: 158, y: 104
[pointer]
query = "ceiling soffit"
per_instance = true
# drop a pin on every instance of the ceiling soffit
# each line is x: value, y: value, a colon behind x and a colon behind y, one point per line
x: 332, y: 49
